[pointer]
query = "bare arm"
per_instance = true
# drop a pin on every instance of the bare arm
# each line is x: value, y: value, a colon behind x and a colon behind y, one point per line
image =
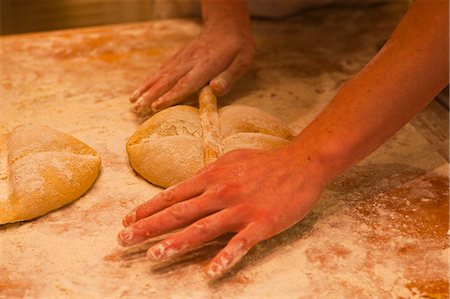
x: 407, y: 73
x: 258, y: 194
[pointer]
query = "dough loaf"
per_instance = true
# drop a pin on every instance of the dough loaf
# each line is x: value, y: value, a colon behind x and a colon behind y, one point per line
x: 168, y: 147
x: 43, y: 170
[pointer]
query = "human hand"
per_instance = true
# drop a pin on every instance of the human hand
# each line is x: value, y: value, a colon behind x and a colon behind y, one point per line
x: 256, y: 194
x: 221, y: 54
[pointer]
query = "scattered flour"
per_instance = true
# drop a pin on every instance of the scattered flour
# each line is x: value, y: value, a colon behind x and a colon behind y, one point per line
x: 330, y: 254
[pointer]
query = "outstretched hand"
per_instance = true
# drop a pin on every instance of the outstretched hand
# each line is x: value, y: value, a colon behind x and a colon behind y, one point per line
x: 255, y: 194
x: 221, y: 54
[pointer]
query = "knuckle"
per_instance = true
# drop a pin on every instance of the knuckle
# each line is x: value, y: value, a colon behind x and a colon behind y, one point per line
x: 226, y: 190
x: 168, y: 195
x: 177, y: 212
x: 165, y: 80
x: 184, y: 83
x: 147, y: 82
x: 201, y: 227
x: 182, y: 88
x: 221, y: 191
x: 243, y: 241
x: 244, y: 212
x: 208, y: 174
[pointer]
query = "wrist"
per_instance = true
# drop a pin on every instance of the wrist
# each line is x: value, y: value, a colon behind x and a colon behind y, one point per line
x: 230, y: 13
x: 346, y: 131
x: 327, y: 150
x: 308, y: 162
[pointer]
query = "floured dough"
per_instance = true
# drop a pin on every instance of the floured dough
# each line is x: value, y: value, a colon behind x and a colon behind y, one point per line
x: 43, y: 169
x: 169, y: 147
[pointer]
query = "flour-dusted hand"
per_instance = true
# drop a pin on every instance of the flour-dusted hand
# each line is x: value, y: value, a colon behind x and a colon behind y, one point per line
x: 221, y: 54
x: 256, y: 194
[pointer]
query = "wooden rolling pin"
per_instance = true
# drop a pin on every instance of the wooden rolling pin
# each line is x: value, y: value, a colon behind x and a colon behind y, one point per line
x: 209, y: 119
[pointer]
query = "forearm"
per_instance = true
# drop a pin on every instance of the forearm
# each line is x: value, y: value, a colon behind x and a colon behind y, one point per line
x: 218, y: 12
x: 399, y: 81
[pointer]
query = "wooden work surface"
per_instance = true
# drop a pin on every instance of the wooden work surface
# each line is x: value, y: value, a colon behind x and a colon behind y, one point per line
x: 380, y: 229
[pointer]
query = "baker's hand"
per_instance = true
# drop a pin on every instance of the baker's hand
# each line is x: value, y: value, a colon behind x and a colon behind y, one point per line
x: 221, y: 54
x: 256, y: 194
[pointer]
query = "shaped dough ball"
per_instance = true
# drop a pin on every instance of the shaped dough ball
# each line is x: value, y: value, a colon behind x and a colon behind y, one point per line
x: 26, y: 140
x: 47, y: 169
x: 168, y: 148
x: 177, y: 120
x: 168, y: 160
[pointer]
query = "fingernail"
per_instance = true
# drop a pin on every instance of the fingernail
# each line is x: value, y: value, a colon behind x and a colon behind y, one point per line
x: 160, y: 251
x: 134, y: 95
x: 140, y: 100
x: 217, y: 269
x: 136, y: 108
x: 226, y: 262
x: 156, y: 252
x: 129, y: 218
x: 155, y: 106
x: 213, y: 271
x: 138, y: 105
x: 125, y: 236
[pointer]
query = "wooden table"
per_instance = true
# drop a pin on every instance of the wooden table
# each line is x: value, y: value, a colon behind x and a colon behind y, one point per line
x: 380, y: 229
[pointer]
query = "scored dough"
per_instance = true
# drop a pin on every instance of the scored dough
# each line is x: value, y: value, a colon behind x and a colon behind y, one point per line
x: 168, y: 147
x: 44, y: 170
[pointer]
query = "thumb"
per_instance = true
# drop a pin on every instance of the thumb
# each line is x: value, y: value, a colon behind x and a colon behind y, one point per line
x: 223, y: 82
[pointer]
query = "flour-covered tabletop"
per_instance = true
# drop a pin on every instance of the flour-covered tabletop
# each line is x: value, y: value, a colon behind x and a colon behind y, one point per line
x: 379, y: 231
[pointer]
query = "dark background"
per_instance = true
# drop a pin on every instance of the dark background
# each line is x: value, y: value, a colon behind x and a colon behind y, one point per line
x: 20, y: 16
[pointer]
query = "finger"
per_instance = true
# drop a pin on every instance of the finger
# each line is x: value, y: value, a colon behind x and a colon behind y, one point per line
x: 187, y: 189
x: 194, y: 235
x: 171, y: 63
x: 235, y: 250
x: 222, y: 83
x: 189, y: 84
x: 144, y: 86
x: 163, y: 84
x: 174, y: 217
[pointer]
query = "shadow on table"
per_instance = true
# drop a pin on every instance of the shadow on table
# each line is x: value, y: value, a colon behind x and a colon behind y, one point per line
x: 204, y: 253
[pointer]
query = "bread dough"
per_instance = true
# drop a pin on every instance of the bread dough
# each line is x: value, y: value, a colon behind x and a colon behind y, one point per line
x: 168, y: 147
x: 43, y: 169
